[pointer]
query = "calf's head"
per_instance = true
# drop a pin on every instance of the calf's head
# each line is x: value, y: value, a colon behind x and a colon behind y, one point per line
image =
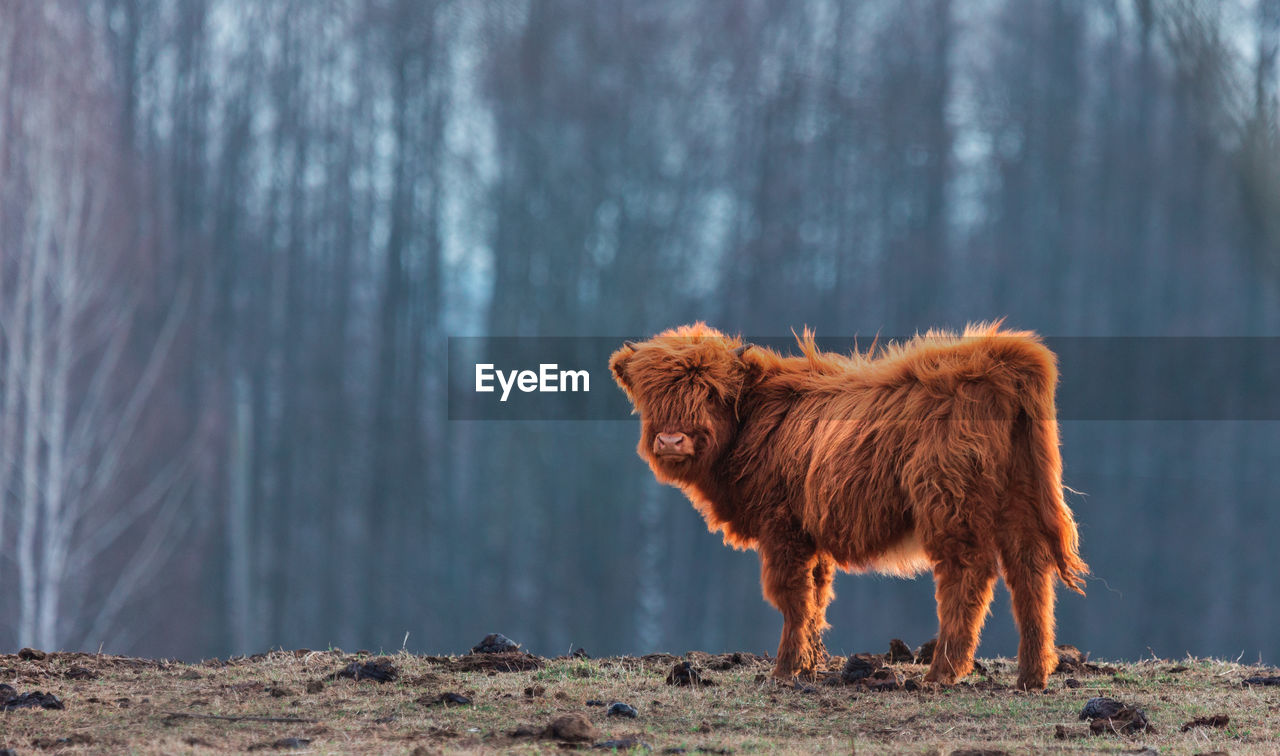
x: 685, y: 384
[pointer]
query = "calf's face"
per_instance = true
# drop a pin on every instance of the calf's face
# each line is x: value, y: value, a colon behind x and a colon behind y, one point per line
x: 684, y: 385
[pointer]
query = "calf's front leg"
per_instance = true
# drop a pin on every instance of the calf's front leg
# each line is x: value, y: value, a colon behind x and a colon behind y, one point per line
x: 787, y: 577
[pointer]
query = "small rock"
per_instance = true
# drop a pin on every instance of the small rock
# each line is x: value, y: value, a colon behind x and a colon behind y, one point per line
x: 924, y: 654
x: 899, y: 651
x: 495, y: 643
x: 860, y: 666
x: 32, y: 654
x: 684, y: 673
x: 572, y: 728
x: 1217, y: 720
x: 620, y: 709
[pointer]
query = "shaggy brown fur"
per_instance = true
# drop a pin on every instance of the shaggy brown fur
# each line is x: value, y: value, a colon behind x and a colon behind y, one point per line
x: 941, y: 453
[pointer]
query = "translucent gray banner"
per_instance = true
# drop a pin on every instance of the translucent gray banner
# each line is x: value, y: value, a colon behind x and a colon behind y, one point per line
x: 1120, y: 378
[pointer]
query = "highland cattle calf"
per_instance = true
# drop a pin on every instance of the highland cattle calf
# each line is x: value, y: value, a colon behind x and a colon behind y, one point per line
x: 938, y: 453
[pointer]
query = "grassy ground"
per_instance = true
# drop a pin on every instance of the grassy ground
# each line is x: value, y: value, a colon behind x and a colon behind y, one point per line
x: 119, y: 705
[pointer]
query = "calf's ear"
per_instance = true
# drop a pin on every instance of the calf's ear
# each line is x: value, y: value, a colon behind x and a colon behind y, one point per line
x: 618, y: 365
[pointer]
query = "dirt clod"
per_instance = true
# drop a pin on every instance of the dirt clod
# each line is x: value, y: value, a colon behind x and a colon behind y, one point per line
x: 1071, y: 659
x: 315, y: 686
x: 80, y: 673
x: 572, y: 728
x: 1217, y: 720
x: 492, y: 661
x: 883, y: 679
x: 9, y: 700
x: 1109, y: 715
x: 445, y: 699
x: 381, y: 670
x: 684, y: 673
x: 1275, y: 680
x: 1071, y: 682
x: 899, y: 651
x: 495, y: 643
x: 722, y: 662
x: 71, y: 740
x: 281, y: 744
x: 924, y: 654
x: 860, y: 666
x: 1100, y: 708
x: 623, y: 745
x: 32, y: 654
x: 535, y: 691
x: 620, y: 709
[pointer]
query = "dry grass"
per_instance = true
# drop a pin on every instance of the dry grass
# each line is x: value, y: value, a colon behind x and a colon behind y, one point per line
x: 129, y: 707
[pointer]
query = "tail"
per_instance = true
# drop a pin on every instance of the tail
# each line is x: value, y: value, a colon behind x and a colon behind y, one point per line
x: 1036, y: 438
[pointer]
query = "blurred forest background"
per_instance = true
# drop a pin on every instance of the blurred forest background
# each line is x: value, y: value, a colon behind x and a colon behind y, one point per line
x: 235, y: 236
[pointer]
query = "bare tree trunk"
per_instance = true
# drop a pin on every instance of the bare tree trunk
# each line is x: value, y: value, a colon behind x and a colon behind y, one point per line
x: 239, y: 537
x: 29, y: 597
x: 56, y: 531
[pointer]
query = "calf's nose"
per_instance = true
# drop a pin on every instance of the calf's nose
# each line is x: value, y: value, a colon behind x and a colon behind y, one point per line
x: 666, y: 443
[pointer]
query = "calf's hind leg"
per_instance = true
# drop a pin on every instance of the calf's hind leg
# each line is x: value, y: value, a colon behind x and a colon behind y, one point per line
x: 1029, y: 573
x: 824, y: 568
x: 964, y: 588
